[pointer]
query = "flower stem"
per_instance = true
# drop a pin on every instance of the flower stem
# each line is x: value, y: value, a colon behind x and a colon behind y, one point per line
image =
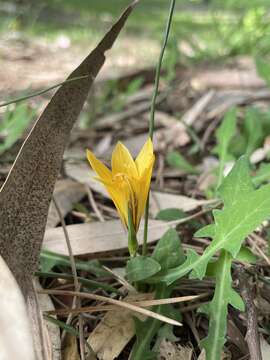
x: 153, y: 106
x: 132, y: 237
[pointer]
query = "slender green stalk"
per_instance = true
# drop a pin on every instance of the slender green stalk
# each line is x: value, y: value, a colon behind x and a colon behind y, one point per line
x: 9, y: 102
x: 152, y: 114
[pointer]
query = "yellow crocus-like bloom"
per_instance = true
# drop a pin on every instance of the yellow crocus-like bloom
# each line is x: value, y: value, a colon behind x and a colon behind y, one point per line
x: 129, y: 181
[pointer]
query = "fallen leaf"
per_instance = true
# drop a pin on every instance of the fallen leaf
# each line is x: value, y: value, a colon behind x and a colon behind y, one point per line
x: 52, y: 331
x: 115, y: 330
x: 162, y: 201
x: 83, y: 174
x: 265, y: 348
x: 227, y: 78
x: 14, y: 322
x: 98, y: 237
x: 171, y: 351
x: 66, y: 194
x: 70, y: 348
x: 26, y: 194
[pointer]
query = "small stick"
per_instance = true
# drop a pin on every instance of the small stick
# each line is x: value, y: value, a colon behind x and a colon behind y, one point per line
x: 252, y: 334
x: 93, y: 203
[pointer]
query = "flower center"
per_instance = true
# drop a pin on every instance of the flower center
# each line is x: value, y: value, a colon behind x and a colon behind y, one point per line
x: 123, y: 180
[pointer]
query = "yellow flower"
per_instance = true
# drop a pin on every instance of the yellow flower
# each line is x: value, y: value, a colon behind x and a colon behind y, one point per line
x: 129, y: 181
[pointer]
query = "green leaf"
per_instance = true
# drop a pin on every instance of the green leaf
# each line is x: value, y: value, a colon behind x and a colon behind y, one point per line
x: 262, y: 174
x: 224, y: 135
x: 237, y: 184
x: 146, y: 330
x: 141, y: 267
x: 90, y: 284
x: 14, y: 124
x: 176, y: 160
x: 168, y: 252
x: 253, y: 129
x: 170, y: 214
x: 244, y: 210
x: 245, y: 255
x: 49, y: 259
x: 217, y: 309
x: 263, y: 69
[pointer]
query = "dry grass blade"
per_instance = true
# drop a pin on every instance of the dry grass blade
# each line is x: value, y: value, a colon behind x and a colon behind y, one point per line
x: 25, y: 196
x: 143, y: 303
x: 123, y: 304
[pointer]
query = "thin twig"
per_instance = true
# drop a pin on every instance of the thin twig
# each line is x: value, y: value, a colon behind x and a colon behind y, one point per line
x: 252, y: 334
x: 121, y: 280
x: 142, y: 303
x: 76, y: 301
x: 253, y: 238
x: 152, y: 112
x: 93, y: 203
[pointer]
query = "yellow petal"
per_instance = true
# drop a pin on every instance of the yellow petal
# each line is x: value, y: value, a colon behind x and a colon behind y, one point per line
x: 122, y: 161
x: 120, y: 196
x: 145, y: 158
x: 144, y: 187
x: 103, y: 172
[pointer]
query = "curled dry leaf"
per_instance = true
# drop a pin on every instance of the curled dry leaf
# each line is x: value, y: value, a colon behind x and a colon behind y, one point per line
x: 26, y: 194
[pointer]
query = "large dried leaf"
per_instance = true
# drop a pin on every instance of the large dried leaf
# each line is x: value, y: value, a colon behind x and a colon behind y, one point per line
x: 26, y: 194
x: 98, y: 237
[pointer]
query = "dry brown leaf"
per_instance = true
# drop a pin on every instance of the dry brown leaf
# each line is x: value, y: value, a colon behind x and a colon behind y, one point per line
x: 82, y: 173
x: 224, y: 356
x: 98, y: 237
x: 70, y: 348
x: 52, y: 331
x: 172, y: 351
x: 66, y: 194
x: 14, y: 322
x: 227, y: 78
x: 115, y: 330
x: 26, y: 194
x: 162, y: 201
x: 265, y: 348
